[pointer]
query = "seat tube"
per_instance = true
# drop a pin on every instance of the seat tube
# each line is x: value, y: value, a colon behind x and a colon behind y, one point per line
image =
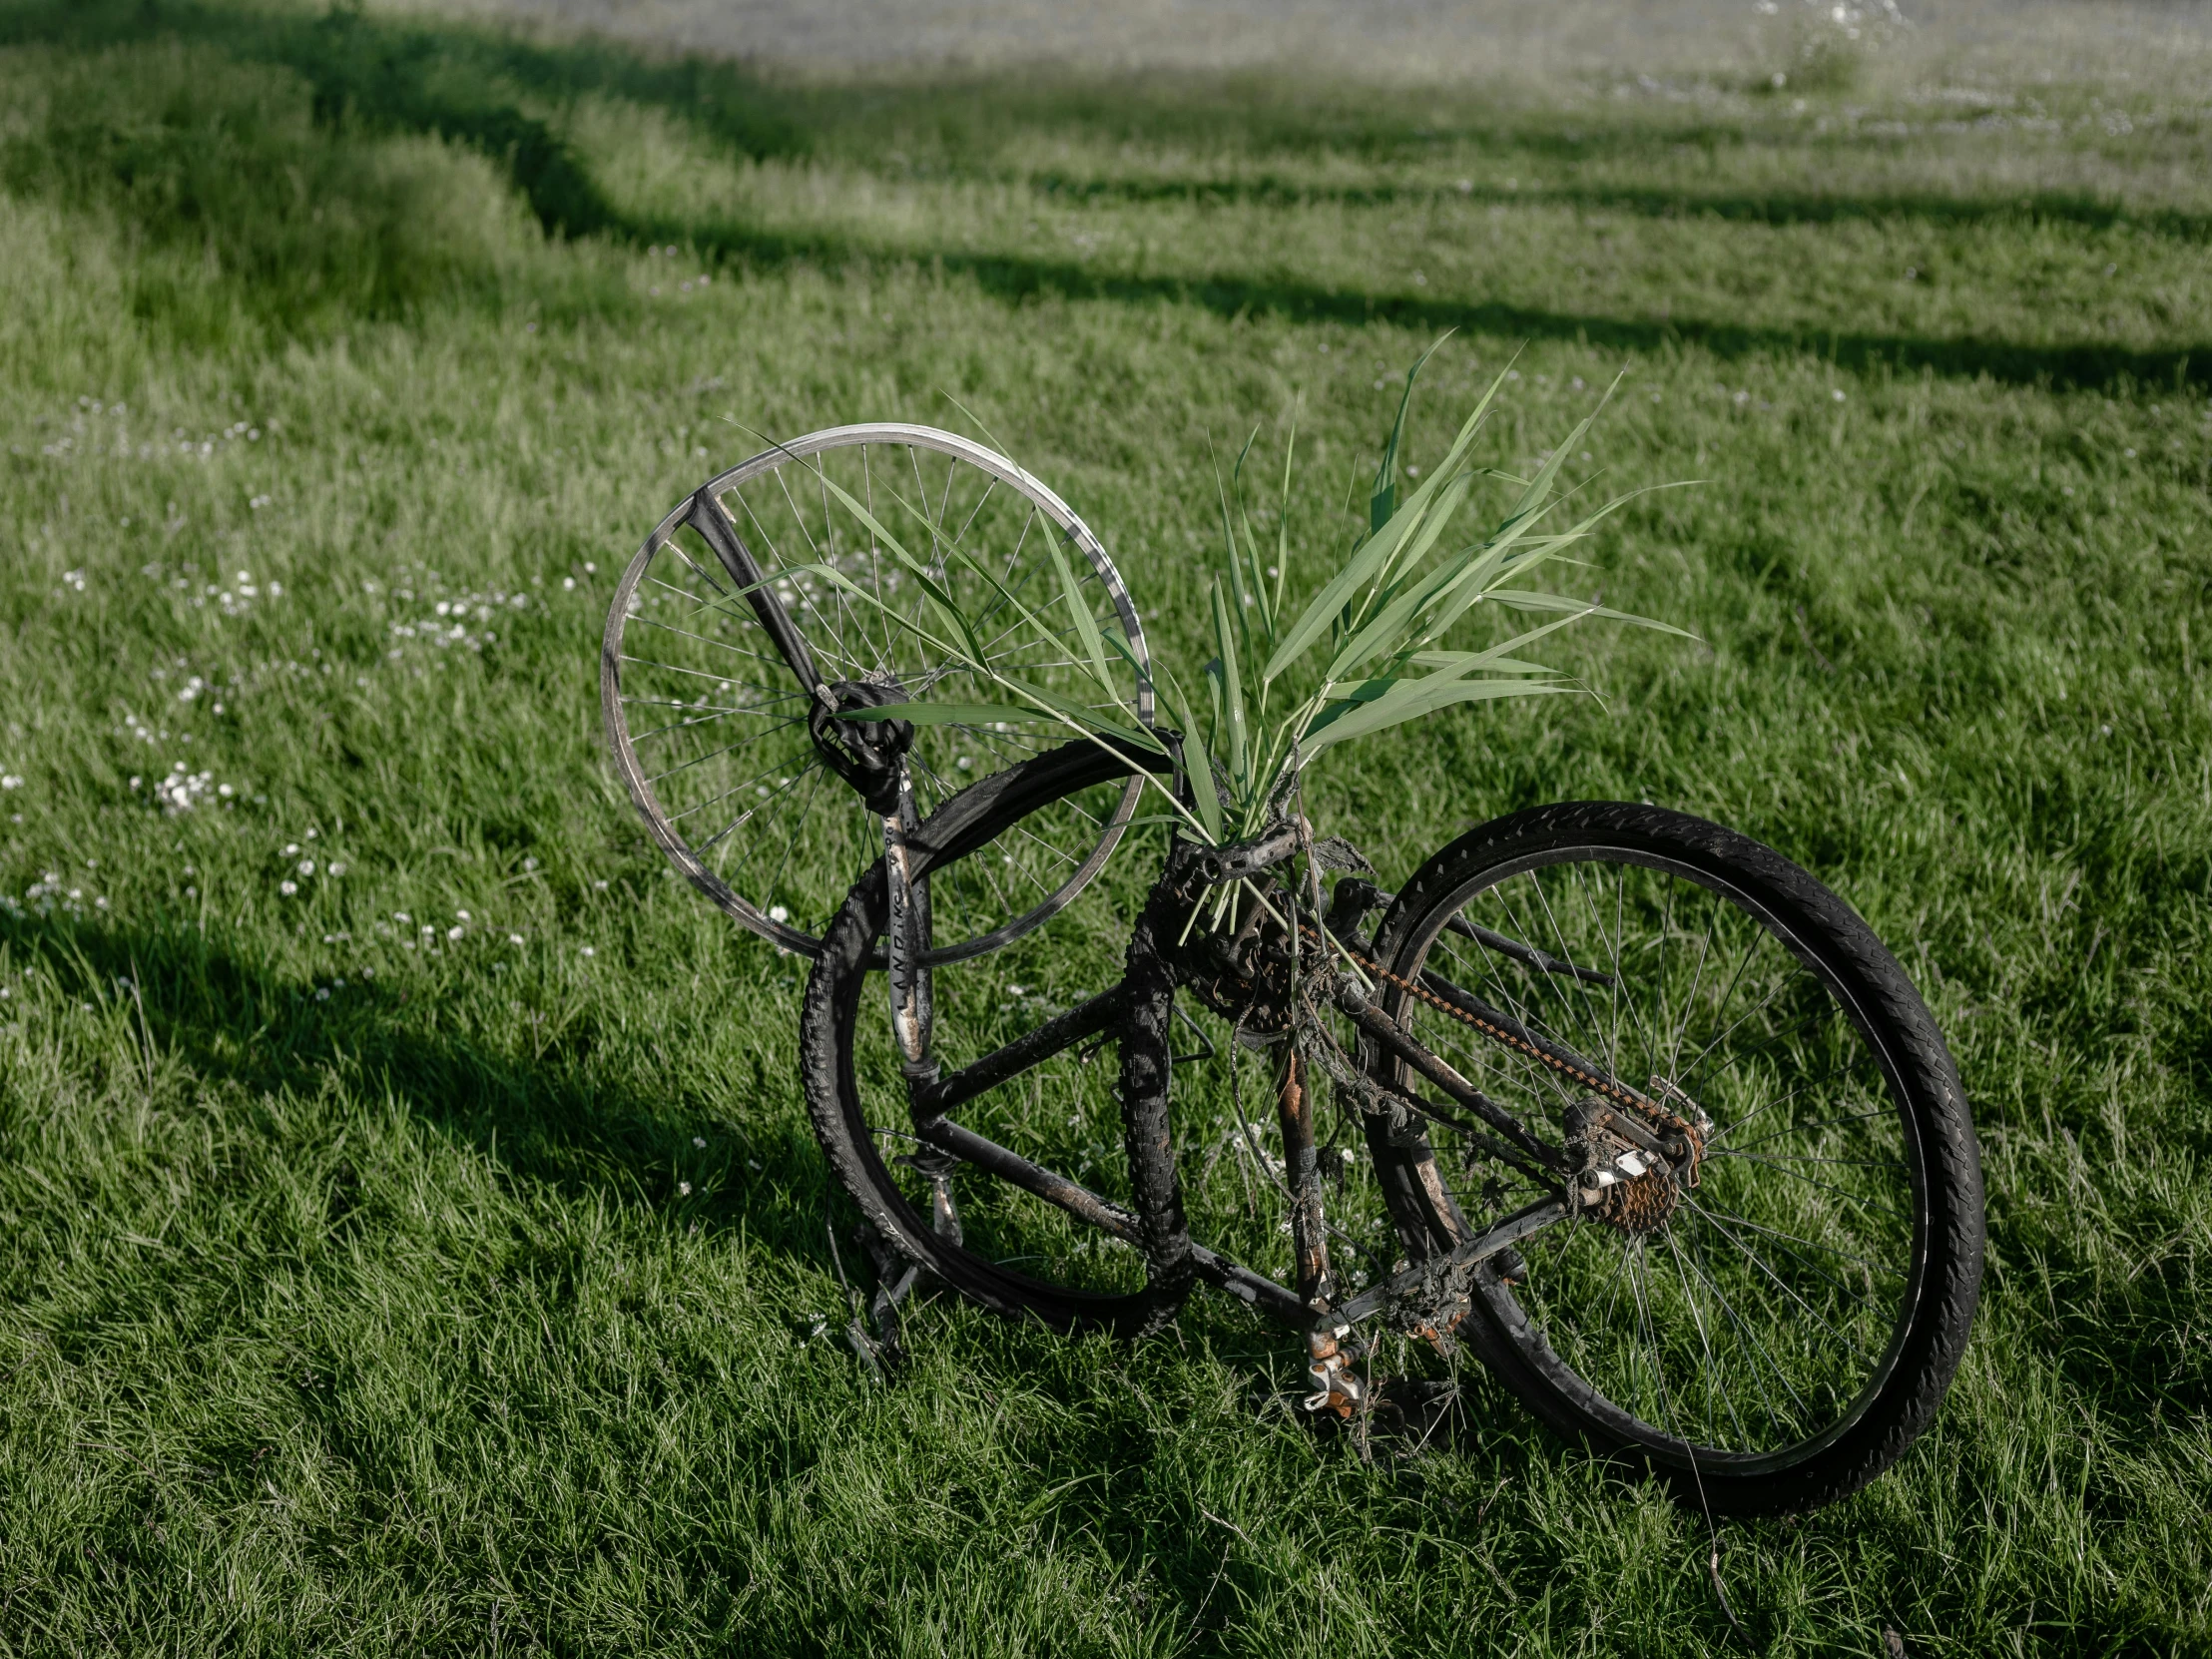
x: 907, y: 939
x: 1294, y: 1102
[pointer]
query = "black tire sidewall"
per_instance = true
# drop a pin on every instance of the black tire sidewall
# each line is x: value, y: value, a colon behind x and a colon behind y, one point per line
x: 1844, y: 952
x: 831, y: 1006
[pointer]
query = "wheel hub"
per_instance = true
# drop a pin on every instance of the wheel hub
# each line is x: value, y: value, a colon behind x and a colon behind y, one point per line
x: 1623, y: 1178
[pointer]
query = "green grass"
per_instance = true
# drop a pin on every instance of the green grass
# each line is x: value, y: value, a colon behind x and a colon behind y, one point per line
x: 472, y: 1307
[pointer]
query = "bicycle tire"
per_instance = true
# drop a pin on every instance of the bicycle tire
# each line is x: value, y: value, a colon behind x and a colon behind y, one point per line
x: 836, y: 1003
x: 1834, y: 947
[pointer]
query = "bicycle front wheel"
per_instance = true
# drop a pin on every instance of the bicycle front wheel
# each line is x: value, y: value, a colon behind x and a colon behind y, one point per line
x: 725, y: 633
x: 1774, y: 1333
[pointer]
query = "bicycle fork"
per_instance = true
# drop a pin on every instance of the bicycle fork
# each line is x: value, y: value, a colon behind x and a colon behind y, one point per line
x: 907, y: 939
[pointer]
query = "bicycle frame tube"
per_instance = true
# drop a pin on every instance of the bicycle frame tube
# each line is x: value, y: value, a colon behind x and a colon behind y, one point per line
x: 1311, y: 1305
x: 1156, y: 966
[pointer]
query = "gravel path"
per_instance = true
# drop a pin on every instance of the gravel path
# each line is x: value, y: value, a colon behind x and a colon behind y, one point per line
x: 1421, y: 40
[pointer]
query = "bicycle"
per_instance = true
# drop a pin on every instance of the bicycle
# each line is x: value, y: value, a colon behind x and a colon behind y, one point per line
x: 1626, y: 1107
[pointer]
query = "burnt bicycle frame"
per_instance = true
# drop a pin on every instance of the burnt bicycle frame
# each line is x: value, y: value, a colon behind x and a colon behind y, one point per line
x: 1433, y: 1291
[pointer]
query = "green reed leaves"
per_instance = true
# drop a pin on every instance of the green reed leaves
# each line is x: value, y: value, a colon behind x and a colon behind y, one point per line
x: 1366, y: 653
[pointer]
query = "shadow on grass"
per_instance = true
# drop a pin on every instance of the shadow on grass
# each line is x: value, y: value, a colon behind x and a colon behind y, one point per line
x: 470, y: 86
x: 618, y: 1131
x: 1776, y: 207
x: 622, y: 1130
x: 544, y: 1120
x: 1015, y: 277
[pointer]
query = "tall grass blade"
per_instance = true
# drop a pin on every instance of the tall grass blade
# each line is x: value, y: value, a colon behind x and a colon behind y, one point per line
x: 938, y: 595
x: 1411, y: 699
x: 1382, y: 502
x: 1079, y: 615
x: 1231, y: 684
x: 1411, y: 597
x: 1197, y: 762
x: 1372, y: 560
x: 1523, y: 600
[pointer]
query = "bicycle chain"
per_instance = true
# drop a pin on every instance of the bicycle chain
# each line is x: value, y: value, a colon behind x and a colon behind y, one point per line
x: 1625, y: 1096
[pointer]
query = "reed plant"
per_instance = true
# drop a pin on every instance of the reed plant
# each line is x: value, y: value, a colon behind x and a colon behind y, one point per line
x: 1373, y: 648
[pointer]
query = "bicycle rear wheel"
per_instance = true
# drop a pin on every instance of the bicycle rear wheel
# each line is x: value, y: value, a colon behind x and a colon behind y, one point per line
x: 717, y: 642
x: 1775, y: 1335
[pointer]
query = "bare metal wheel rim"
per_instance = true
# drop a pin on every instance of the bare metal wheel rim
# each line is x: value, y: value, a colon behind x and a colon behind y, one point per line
x: 706, y: 713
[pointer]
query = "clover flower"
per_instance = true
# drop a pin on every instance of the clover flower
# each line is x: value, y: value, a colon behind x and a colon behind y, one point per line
x: 181, y: 791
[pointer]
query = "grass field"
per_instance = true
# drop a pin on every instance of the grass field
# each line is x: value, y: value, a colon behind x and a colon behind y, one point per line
x: 425, y: 1251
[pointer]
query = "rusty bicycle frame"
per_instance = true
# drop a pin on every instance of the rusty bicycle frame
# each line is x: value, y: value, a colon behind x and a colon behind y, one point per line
x: 1274, y: 975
